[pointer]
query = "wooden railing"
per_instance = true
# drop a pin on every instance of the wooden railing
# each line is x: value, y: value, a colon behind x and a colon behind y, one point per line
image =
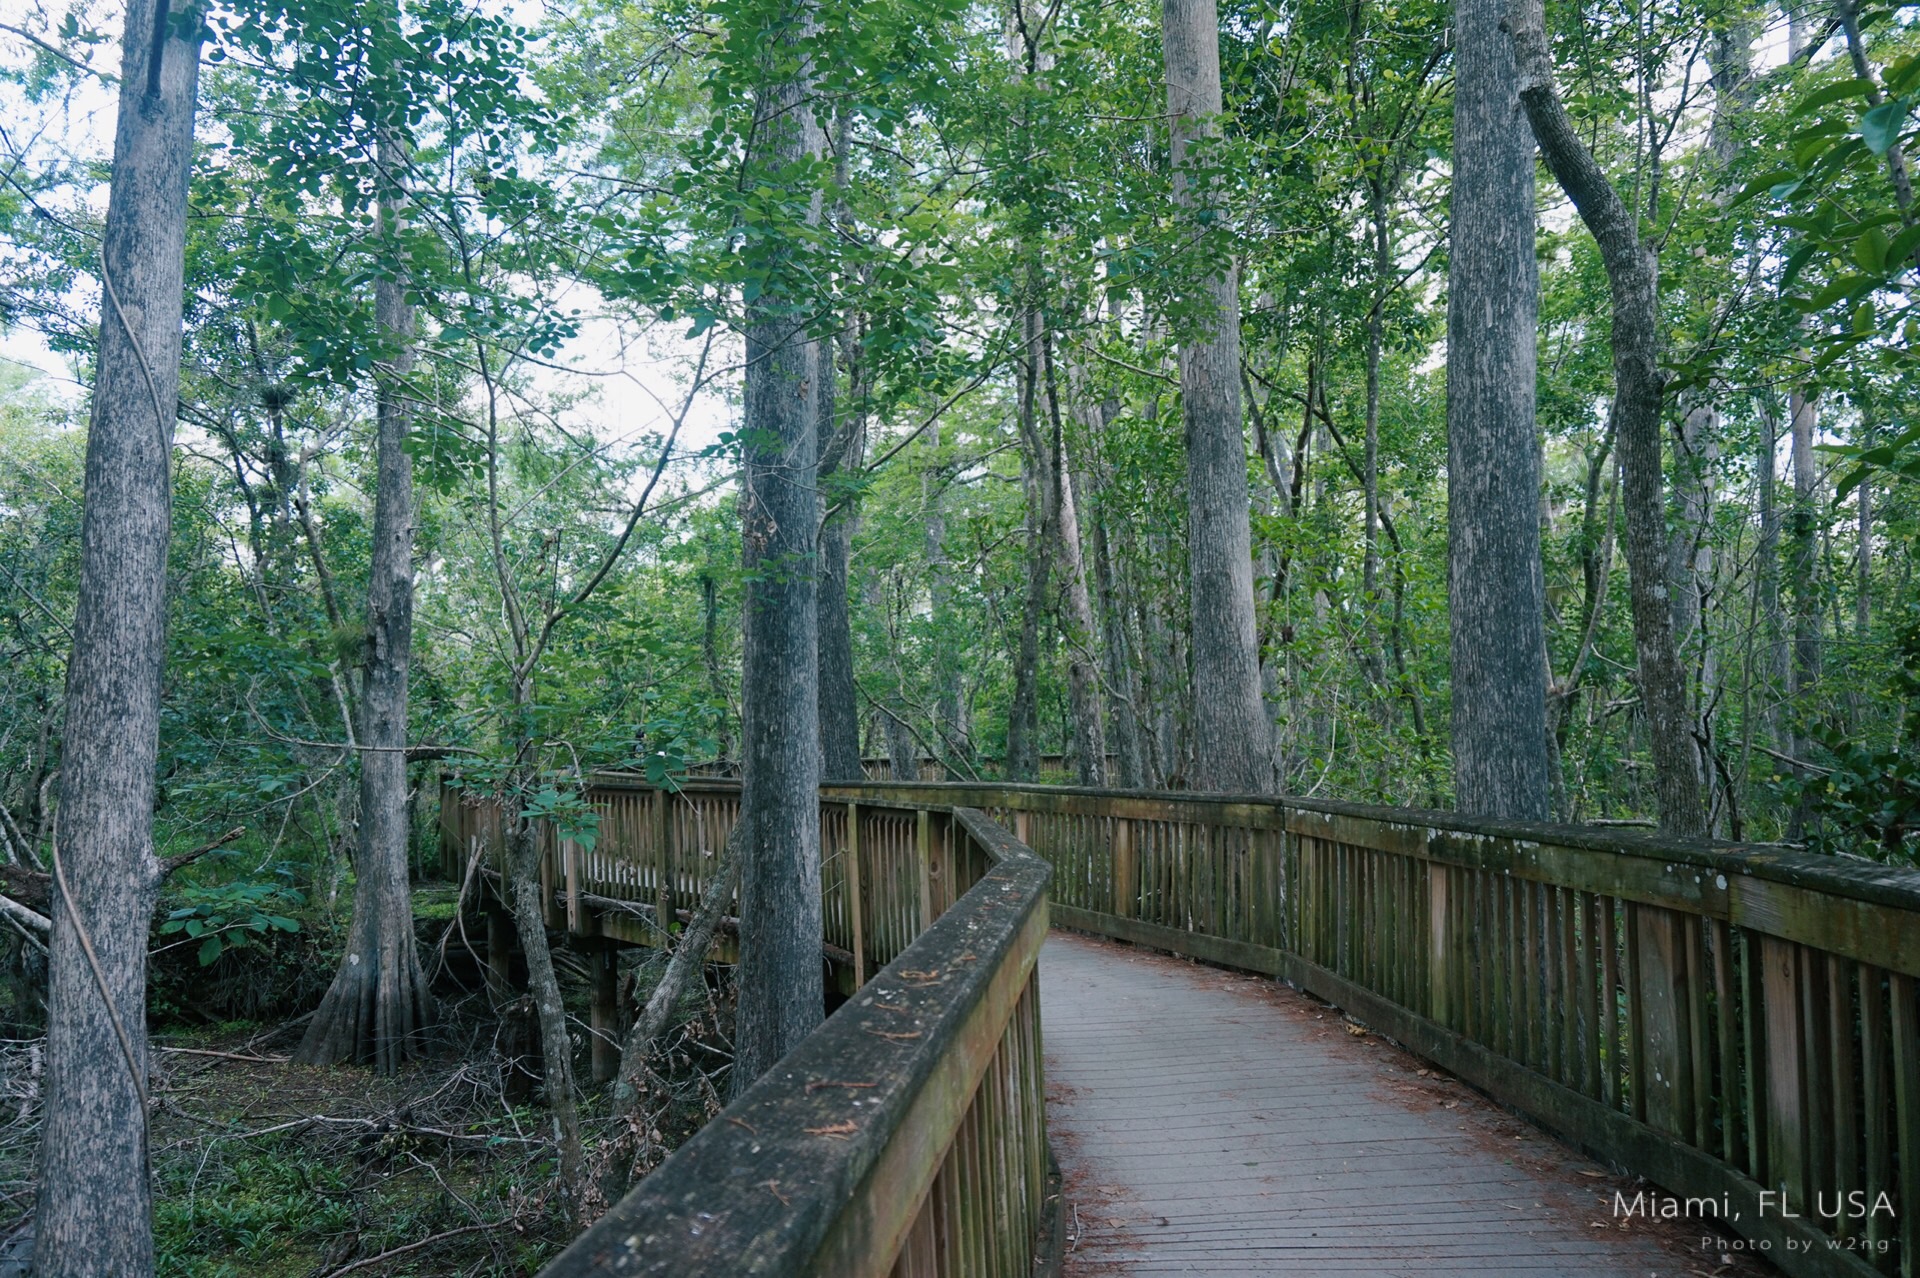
x: 907, y: 1135
x: 1740, y: 1026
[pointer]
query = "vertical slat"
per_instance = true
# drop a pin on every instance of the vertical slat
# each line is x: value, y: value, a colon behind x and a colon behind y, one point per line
x: 1440, y: 946
x: 1612, y: 1068
x: 923, y: 863
x: 856, y: 900
x: 1876, y: 1099
x: 1904, y: 1029
x: 1786, y: 1097
x: 1842, y: 1084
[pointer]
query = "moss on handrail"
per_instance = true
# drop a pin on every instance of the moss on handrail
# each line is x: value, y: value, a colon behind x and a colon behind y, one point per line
x: 786, y: 1173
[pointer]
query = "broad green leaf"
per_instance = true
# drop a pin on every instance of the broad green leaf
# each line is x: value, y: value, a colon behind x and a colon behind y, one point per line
x: 1834, y: 92
x: 1880, y: 127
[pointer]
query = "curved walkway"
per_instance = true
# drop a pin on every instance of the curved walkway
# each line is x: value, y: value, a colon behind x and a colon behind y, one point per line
x: 1213, y: 1123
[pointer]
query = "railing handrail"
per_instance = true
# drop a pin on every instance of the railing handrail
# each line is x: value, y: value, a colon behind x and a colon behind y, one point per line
x: 1852, y: 877
x: 802, y: 1173
x: 1848, y: 878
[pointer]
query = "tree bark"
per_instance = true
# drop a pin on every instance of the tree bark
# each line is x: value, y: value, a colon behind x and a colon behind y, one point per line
x: 379, y: 1008
x: 1766, y: 582
x: 94, y: 1214
x: 843, y: 436
x: 1638, y: 393
x: 1230, y: 730
x: 1803, y: 563
x: 781, y: 990
x: 950, y: 725
x: 1083, y: 682
x: 1023, y: 714
x: 543, y: 986
x: 1496, y: 594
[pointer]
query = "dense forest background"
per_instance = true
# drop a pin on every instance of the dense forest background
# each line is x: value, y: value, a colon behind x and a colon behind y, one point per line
x: 988, y: 241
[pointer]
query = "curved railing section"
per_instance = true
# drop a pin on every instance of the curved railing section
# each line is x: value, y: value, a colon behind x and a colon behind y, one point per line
x: 907, y: 1135
x: 1738, y: 1025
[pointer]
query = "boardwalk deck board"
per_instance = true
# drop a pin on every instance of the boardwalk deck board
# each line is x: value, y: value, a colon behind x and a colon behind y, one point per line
x: 1213, y: 1123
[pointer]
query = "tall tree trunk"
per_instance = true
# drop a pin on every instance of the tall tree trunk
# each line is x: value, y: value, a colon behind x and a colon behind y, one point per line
x: 1023, y: 714
x: 1638, y: 392
x: 543, y: 985
x: 843, y: 441
x: 1803, y: 561
x: 379, y: 1007
x: 710, y: 657
x: 1766, y: 581
x: 1083, y: 683
x: 1496, y: 593
x: 1230, y: 731
x: 781, y: 991
x: 950, y: 713
x: 94, y: 1214
x: 1123, y: 689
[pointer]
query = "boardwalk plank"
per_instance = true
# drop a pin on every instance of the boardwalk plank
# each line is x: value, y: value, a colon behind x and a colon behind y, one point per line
x: 1212, y: 1123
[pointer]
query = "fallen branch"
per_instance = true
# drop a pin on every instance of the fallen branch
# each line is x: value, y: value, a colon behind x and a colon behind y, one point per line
x: 727, y: 924
x: 226, y: 1056
x: 181, y: 862
x: 24, y: 916
x: 689, y: 957
x: 428, y: 1241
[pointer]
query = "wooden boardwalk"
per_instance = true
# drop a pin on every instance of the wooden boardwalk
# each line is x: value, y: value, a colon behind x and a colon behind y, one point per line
x: 1213, y: 1123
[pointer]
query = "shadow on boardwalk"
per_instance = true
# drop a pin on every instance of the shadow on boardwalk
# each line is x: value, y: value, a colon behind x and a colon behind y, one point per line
x: 1214, y: 1123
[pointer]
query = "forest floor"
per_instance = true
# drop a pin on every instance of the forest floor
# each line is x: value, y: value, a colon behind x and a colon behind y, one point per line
x: 268, y: 1169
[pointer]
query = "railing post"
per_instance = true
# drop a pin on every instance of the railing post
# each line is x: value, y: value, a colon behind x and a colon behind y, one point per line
x: 604, y: 959
x: 1786, y: 1099
x: 1126, y: 870
x: 856, y: 904
x: 1439, y: 946
x: 925, y: 858
x: 662, y: 868
x: 570, y: 869
x: 1665, y: 1075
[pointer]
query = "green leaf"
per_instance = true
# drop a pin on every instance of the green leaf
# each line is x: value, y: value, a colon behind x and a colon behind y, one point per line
x: 1870, y: 250
x: 1843, y: 288
x: 209, y: 950
x: 1832, y: 93
x: 1880, y: 127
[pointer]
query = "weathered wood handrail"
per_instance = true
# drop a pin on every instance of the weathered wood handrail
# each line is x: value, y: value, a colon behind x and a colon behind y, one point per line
x: 907, y: 1135
x: 1739, y: 1025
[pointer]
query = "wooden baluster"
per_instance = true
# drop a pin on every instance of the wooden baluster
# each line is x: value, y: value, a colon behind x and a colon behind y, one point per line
x: 1904, y: 1029
x: 1126, y: 870
x: 1876, y: 1097
x: 856, y: 901
x: 1440, y: 943
x: 923, y: 861
x: 603, y: 961
x: 1726, y: 1018
x: 1842, y: 1087
x: 1613, y: 1068
x: 1786, y: 1078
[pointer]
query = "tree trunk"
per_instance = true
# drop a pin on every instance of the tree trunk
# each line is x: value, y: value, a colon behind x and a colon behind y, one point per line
x: 1803, y: 573
x: 1638, y: 392
x: 781, y: 991
x: 379, y: 1007
x: 843, y: 439
x: 543, y: 986
x: 950, y: 722
x: 1230, y: 730
x: 1123, y: 688
x: 1766, y: 581
x: 1083, y: 682
x: 94, y: 1214
x: 1496, y: 594
x: 1023, y: 714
